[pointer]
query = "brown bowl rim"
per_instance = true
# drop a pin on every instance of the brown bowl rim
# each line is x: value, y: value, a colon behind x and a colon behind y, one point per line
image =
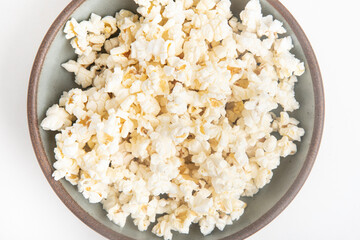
x: 109, y: 233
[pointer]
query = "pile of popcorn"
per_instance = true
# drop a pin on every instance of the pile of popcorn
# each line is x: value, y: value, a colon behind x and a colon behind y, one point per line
x: 175, y: 112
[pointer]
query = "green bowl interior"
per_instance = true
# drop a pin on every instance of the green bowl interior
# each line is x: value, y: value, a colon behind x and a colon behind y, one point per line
x: 54, y: 80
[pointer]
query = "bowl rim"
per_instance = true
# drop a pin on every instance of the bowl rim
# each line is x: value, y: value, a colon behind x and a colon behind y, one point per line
x: 85, y: 217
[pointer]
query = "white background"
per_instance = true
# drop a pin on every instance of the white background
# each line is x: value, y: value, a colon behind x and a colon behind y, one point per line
x: 327, y: 207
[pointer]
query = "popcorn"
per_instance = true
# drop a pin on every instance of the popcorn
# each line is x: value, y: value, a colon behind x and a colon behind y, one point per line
x: 56, y: 119
x: 163, y: 228
x: 184, y: 217
x: 109, y: 26
x: 176, y: 118
x: 95, y: 24
x: 74, y: 102
x: 112, y: 205
x: 93, y: 190
x: 87, y: 60
x: 65, y: 167
x: 73, y: 28
x: 81, y: 45
x: 83, y: 76
x: 251, y: 16
x: 139, y: 147
x: 200, y: 203
x: 270, y: 28
x: 207, y: 225
x: 111, y: 44
x: 148, y: 104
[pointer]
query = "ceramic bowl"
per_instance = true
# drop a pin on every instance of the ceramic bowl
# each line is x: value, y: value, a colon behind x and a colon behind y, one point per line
x: 48, y: 80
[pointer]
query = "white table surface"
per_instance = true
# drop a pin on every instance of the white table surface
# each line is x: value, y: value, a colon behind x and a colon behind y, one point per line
x: 327, y: 207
